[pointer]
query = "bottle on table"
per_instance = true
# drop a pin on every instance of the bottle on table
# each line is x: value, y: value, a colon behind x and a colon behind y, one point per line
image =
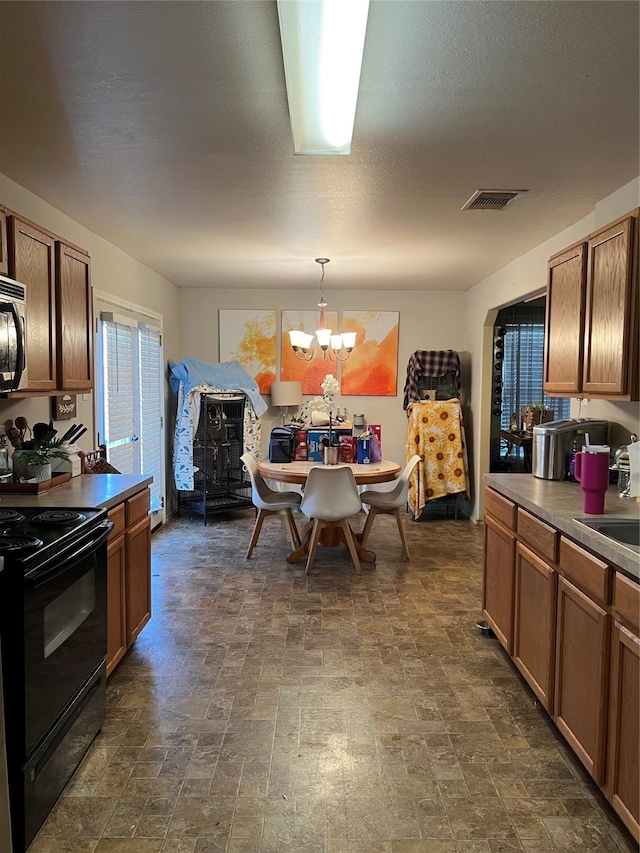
x: 577, y: 445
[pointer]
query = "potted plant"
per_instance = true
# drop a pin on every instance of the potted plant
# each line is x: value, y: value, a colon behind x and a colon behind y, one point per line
x: 34, y: 463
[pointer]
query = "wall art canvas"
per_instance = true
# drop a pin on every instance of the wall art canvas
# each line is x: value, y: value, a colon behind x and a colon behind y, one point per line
x: 372, y: 368
x: 310, y: 373
x: 249, y: 336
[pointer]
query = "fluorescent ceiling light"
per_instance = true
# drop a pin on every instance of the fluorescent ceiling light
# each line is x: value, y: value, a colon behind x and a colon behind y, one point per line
x: 322, y: 45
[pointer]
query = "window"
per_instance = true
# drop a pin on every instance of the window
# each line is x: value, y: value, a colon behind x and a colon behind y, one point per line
x: 130, y: 395
x: 523, y: 363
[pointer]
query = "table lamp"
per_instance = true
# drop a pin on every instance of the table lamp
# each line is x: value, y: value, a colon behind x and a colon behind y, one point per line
x: 285, y: 394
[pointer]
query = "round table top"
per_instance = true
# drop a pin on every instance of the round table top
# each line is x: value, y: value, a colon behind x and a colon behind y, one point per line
x: 297, y: 472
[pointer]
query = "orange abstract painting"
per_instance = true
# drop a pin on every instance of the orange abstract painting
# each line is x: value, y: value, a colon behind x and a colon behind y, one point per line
x: 310, y: 373
x: 372, y: 368
x: 249, y: 337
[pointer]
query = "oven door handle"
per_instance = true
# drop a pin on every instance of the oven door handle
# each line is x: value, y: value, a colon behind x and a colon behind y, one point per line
x: 62, y: 562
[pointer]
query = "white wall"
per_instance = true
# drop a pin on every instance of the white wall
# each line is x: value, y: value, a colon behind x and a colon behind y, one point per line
x: 517, y: 280
x: 429, y: 320
x: 112, y: 271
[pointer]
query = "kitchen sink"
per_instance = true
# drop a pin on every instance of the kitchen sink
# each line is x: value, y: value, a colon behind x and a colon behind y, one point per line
x: 624, y: 531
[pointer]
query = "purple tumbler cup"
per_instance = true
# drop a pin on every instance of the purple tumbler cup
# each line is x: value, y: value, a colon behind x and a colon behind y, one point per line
x: 592, y: 472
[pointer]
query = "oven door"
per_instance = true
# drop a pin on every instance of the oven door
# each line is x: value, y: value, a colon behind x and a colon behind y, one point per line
x: 65, y: 624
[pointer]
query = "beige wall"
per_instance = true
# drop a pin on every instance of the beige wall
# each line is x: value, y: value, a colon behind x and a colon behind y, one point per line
x: 112, y: 271
x: 518, y: 279
x: 427, y: 321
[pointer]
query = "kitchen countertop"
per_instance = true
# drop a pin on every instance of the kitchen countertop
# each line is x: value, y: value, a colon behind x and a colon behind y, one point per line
x: 86, y: 490
x: 559, y: 502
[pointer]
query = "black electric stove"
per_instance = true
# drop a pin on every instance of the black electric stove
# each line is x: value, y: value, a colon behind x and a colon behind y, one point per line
x: 53, y: 625
x: 30, y: 536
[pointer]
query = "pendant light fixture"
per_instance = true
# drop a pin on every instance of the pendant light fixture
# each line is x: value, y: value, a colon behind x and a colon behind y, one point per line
x: 304, y: 345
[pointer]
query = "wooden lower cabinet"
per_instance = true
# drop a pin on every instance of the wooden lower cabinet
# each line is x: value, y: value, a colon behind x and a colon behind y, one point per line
x: 582, y: 656
x: 498, y: 580
x: 116, y: 622
x: 535, y: 623
x: 623, y: 750
x: 138, y: 577
x: 570, y: 622
x: 128, y: 575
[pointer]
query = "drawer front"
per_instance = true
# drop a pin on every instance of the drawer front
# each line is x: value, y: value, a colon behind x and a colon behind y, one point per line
x: 538, y: 535
x: 117, y: 517
x: 589, y: 574
x: 501, y: 508
x: 626, y: 601
x: 138, y: 507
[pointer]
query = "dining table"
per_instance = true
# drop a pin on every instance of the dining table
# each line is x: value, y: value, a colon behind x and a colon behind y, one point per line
x: 296, y: 473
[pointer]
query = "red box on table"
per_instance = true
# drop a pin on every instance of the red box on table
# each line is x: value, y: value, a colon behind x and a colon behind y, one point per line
x: 347, y: 448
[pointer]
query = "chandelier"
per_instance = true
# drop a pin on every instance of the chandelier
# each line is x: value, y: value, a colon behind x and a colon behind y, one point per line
x: 304, y: 345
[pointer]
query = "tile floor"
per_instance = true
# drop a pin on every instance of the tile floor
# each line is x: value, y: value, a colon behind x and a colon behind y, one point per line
x: 262, y: 711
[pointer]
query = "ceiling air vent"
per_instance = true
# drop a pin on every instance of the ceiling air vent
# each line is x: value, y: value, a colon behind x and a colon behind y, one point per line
x: 491, y: 199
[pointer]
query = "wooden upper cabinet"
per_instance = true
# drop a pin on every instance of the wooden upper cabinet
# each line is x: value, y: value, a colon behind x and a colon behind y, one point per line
x: 75, y: 324
x: 610, y: 322
x: 31, y: 262
x: 4, y: 249
x: 566, y: 282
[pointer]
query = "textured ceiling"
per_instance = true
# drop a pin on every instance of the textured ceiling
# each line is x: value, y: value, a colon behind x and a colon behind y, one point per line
x: 163, y: 127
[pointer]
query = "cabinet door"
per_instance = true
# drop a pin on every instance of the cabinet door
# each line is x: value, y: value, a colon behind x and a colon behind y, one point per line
x: 608, y: 322
x: 566, y: 281
x: 75, y: 319
x: 32, y: 263
x: 138, y: 578
x: 582, y: 649
x: 624, y: 714
x: 4, y: 249
x: 535, y: 623
x: 498, y: 580
x: 116, y: 613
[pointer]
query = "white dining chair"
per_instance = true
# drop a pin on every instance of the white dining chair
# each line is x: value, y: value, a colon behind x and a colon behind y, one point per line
x: 269, y: 502
x: 330, y: 498
x: 389, y: 502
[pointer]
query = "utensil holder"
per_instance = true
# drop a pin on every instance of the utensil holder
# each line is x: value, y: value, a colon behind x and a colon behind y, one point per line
x: 331, y: 455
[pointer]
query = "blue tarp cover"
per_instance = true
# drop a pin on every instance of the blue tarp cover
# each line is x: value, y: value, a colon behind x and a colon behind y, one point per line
x: 225, y: 375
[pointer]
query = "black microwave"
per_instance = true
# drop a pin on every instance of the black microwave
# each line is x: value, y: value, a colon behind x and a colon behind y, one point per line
x: 13, y: 345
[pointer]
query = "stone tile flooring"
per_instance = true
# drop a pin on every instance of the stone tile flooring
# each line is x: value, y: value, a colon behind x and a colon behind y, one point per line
x: 263, y: 711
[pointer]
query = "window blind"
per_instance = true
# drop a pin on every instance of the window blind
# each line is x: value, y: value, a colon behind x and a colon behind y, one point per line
x: 118, y: 347
x: 150, y: 372
x: 523, y: 370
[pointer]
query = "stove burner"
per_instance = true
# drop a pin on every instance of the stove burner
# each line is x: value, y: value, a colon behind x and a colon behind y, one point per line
x: 58, y: 516
x: 10, y: 516
x: 18, y: 544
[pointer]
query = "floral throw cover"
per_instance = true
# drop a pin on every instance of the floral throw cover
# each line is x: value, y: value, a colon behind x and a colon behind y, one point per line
x: 436, y: 433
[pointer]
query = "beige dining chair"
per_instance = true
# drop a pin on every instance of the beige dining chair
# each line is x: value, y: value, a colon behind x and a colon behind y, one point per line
x: 269, y: 502
x: 389, y: 502
x: 330, y: 498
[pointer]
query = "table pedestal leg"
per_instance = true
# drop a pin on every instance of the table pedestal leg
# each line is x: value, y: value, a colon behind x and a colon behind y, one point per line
x: 329, y: 537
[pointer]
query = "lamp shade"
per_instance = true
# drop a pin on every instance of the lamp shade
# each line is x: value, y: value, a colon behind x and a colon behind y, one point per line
x: 286, y: 393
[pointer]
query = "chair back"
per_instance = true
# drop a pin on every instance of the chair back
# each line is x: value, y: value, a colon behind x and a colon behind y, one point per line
x: 259, y: 489
x: 398, y: 495
x: 331, y: 493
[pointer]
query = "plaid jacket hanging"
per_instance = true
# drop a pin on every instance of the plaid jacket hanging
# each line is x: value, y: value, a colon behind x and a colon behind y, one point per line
x: 429, y: 363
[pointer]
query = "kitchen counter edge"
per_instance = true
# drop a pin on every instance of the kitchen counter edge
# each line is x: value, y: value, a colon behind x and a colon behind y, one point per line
x: 559, y: 502
x: 85, y: 491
